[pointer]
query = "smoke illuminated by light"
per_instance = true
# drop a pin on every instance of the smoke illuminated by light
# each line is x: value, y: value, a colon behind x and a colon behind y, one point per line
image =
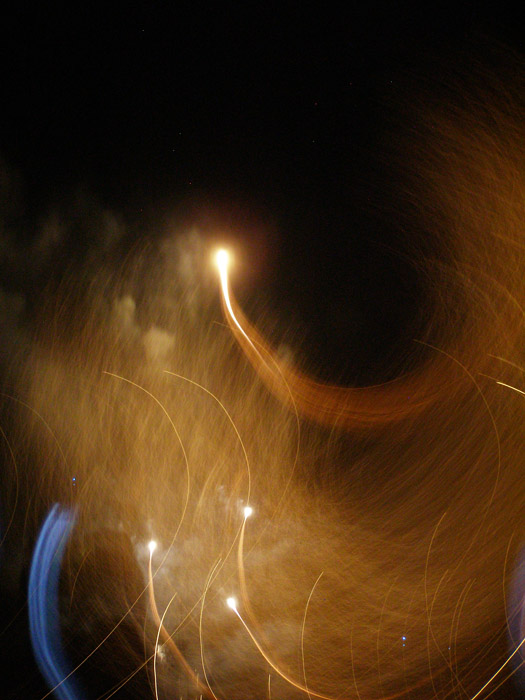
x: 384, y: 559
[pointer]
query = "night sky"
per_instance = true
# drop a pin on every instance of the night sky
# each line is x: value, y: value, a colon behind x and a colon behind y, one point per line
x: 273, y: 126
x: 269, y: 129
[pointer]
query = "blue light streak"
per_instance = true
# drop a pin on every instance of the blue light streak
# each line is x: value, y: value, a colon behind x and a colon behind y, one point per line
x: 43, y: 603
x: 516, y: 621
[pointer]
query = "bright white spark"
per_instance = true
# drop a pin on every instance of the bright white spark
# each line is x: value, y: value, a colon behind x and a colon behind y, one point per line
x: 232, y: 603
x: 152, y: 546
x: 223, y: 259
x: 248, y: 511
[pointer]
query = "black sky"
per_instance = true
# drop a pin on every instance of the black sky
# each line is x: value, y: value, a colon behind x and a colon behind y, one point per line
x: 269, y: 118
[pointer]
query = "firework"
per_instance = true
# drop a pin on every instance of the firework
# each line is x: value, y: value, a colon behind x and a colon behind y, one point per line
x: 228, y: 526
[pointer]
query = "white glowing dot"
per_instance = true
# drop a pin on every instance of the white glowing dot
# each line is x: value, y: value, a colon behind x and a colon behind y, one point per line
x: 152, y: 546
x: 231, y: 603
x: 248, y: 511
x: 222, y: 258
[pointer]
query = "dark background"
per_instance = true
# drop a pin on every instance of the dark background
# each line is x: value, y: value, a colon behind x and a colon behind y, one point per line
x: 265, y: 123
x: 268, y: 123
